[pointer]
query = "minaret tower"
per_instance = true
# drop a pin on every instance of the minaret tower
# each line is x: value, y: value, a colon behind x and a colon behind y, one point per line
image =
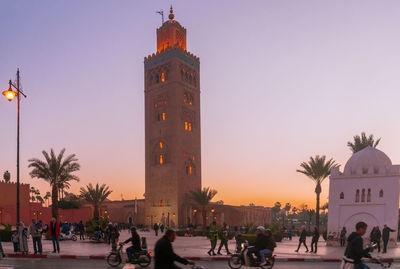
x: 172, y: 127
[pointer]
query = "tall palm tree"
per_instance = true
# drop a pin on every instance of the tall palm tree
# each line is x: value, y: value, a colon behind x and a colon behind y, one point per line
x: 361, y: 142
x: 317, y: 169
x: 203, y: 197
x: 53, y: 169
x: 95, y: 196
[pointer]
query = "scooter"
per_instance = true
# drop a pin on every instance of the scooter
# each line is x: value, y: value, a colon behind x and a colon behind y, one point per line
x: 68, y: 236
x: 142, y: 258
x: 241, y: 258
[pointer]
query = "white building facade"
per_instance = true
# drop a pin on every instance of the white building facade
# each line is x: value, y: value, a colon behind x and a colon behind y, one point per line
x: 367, y: 190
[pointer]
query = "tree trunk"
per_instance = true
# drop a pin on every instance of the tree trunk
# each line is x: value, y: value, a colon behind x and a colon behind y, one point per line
x: 318, y: 192
x: 54, y: 201
x: 96, y: 212
x: 204, y: 213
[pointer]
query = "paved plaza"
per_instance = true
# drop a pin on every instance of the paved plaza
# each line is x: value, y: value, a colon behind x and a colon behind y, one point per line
x: 196, y: 247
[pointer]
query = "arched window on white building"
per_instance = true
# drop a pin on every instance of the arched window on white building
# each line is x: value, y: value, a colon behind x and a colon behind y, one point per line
x: 341, y: 195
x: 363, y: 196
x: 369, y: 195
x: 357, y: 196
x: 381, y: 193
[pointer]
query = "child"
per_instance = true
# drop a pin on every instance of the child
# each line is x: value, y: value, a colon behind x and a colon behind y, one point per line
x: 14, y: 240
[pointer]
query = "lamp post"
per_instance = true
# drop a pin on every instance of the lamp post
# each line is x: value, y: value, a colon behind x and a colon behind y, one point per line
x: 10, y: 95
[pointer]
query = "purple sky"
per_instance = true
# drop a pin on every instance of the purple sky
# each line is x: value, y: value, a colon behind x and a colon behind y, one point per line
x: 280, y: 81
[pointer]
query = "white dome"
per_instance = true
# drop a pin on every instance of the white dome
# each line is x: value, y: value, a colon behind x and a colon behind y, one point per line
x: 368, y: 161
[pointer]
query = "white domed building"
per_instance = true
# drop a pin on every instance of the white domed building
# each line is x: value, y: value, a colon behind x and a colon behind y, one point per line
x: 367, y: 190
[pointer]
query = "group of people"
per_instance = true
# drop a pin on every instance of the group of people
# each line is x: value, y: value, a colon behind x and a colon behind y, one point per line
x: 215, y: 234
x: 159, y: 227
x: 375, y: 237
x: 314, y: 240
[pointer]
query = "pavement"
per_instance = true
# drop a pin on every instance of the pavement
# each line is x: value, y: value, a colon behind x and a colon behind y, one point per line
x: 190, y: 247
x: 90, y: 264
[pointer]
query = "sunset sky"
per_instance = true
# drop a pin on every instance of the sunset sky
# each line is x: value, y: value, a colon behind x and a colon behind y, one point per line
x: 280, y: 81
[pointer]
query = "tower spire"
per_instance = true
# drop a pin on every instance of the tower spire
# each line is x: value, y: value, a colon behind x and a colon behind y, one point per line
x: 171, y: 13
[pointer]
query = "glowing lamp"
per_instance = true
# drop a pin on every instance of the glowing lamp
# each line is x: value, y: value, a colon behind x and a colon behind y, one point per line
x: 9, y: 94
x: 213, y: 210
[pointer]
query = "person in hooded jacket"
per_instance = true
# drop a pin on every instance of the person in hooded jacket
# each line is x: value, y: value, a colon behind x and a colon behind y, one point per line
x: 355, y: 247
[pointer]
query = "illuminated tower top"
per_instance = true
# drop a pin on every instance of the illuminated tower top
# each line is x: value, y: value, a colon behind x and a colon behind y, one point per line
x: 171, y: 34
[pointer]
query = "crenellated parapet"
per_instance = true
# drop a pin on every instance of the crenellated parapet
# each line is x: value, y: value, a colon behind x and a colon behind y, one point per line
x: 170, y: 53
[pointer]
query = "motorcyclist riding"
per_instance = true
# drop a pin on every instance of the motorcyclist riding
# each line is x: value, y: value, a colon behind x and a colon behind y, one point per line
x: 354, y: 250
x: 269, y: 248
x: 136, y: 247
x: 260, y: 245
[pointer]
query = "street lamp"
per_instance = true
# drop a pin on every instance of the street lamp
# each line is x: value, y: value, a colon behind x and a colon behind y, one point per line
x: 10, y: 94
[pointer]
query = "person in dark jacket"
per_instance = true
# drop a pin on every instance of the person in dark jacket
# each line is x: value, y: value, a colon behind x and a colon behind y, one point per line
x: 260, y: 244
x: 302, y: 239
x: 375, y: 237
x: 164, y: 256
x: 354, y: 249
x: 224, y: 235
x: 385, y: 237
x: 136, y: 247
x: 343, y: 236
x: 314, y: 241
x: 269, y: 245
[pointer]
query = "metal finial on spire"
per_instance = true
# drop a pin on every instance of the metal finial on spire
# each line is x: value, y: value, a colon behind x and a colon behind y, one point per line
x: 161, y: 12
x: 171, y: 13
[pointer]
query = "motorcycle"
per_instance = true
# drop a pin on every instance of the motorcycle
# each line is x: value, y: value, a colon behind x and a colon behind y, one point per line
x: 68, y: 236
x: 142, y: 258
x: 241, y: 258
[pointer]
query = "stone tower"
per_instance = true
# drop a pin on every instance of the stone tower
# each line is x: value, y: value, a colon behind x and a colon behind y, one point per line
x: 172, y: 127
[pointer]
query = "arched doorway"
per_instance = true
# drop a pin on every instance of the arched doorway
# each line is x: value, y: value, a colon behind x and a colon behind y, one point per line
x: 130, y: 220
x: 351, y: 221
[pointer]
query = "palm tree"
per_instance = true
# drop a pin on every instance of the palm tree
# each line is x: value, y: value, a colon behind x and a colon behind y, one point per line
x: 361, y: 142
x: 7, y: 176
x: 317, y: 169
x: 54, y: 169
x: 47, y: 197
x: 95, y: 196
x: 203, y: 197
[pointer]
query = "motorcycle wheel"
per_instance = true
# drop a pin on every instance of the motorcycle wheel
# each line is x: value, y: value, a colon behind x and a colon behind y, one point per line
x: 74, y: 238
x: 114, y: 259
x: 270, y: 265
x: 235, y: 261
x: 144, y: 260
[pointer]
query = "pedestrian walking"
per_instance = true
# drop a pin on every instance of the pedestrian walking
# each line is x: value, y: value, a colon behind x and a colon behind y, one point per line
x: 290, y: 234
x: 224, y: 234
x: 302, y: 239
x: 314, y: 240
x: 81, y: 229
x: 385, y: 237
x: 162, y: 228
x: 35, y: 232
x: 54, y: 232
x: 156, y: 227
x: 1, y: 249
x: 343, y: 236
x: 213, y: 235
x: 14, y: 240
x: 375, y: 237
x: 114, y: 236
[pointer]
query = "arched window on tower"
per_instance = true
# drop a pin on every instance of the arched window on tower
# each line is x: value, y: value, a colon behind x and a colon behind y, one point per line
x: 369, y: 195
x: 381, y: 193
x: 363, y: 196
x: 357, y: 196
x: 342, y: 195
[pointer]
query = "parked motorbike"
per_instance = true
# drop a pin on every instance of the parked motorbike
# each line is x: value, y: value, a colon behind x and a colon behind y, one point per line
x: 68, y: 236
x: 142, y: 258
x: 241, y: 258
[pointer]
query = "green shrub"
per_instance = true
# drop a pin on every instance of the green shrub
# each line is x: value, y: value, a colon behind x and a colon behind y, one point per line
x: 69, y: 204
x: 92, y: 224
x: 5, y: 235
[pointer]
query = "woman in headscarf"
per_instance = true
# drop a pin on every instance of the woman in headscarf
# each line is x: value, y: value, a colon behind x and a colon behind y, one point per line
x: 23, y: 238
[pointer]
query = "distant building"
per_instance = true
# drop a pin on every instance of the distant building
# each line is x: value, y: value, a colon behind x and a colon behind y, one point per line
x: 367, y: 190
